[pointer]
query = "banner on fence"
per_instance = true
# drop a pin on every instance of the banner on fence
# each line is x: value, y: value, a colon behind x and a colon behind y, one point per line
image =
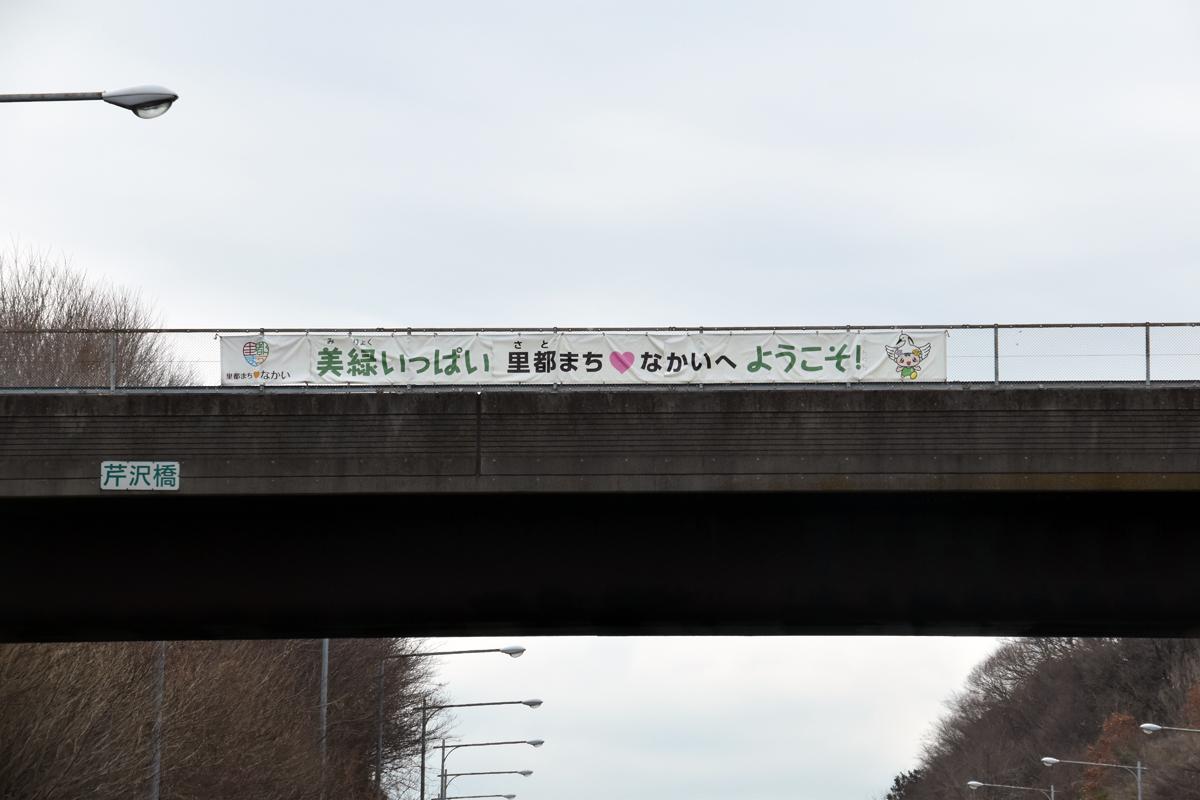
x: 548, y: 358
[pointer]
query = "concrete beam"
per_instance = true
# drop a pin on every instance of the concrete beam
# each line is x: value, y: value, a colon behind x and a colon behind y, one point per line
x: 805, y: 439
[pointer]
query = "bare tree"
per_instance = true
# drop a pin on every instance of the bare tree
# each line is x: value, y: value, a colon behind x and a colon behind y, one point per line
x: 58, y: 329
x: 1074, y: 699
x: 241, y: 720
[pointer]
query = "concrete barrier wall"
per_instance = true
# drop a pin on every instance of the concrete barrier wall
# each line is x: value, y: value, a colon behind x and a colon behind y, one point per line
x: 968, y: 437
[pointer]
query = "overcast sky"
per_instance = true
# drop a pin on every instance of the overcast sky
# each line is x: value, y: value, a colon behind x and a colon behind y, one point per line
x: 682, y: 163
x: 766, y: 718
x: 578, y: 163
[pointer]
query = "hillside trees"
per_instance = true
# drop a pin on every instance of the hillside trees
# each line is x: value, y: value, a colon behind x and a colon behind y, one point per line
x: 903, y: 784
x: 1077, y: 699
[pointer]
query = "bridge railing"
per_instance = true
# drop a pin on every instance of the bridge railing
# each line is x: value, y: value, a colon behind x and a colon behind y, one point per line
x: 1000, y: 353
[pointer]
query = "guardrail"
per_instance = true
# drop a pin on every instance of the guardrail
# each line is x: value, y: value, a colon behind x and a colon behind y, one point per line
x: 131, y: 358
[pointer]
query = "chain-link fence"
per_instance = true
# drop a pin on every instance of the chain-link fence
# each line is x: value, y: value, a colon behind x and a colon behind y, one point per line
x: 1051, y: 353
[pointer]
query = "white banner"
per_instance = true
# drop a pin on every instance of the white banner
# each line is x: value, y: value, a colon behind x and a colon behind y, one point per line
x: 584, y: 358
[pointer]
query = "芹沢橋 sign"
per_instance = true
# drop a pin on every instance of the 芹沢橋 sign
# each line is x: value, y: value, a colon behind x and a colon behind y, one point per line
x: 584, y: 358
x: 135, y: 476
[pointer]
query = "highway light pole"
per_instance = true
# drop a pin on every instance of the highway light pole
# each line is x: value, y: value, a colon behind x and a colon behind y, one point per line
x: 450, y: 778
x: 522, y: 772
x: 1149, y: 728
x: 146, y: 102
x: 973, y: 785
x: 1135, y: 771
x: 324, y: 708
x: 156, y: 734
x: 511, y: 651
x: 447, y: 751
x: 425, y: 719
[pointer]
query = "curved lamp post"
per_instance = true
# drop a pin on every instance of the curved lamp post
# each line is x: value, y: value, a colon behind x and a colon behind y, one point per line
x: 1149, y: 728
x: 511, y: 651
x: 446, y: 751
x: 450, y: 778
x: 973, y: 785
x: 523, y: 772
x: 534, y: 703
x: 1135, y: 771
x: 147, y: 102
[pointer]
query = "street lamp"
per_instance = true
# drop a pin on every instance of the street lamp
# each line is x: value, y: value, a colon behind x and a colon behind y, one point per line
x: 1149, y: 728
x: 523, y: 772
x: 534, y: 703
x: 976, y: 784
x: 475, y: 796
x: 531, y: 703
x: 147, y: 102
x: 512, y: 651
x: 447, y: 751
x: 1135, y: 771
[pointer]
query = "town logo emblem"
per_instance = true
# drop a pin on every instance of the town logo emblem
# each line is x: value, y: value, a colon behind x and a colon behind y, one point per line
x: 256, y: 353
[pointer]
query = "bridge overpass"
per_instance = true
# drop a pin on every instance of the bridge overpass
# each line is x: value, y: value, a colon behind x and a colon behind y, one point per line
x: 967, y: 508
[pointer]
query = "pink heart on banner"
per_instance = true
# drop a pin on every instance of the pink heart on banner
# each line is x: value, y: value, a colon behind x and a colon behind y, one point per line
x: 622, y: 361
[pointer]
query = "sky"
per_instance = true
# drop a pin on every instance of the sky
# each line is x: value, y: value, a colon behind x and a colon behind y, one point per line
x: 700, y: 718
x: 545, y: 163
x: 563, y: 163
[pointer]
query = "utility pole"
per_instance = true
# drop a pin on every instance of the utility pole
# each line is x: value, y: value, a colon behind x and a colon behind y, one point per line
x: 156, y: 733
x: 424, y: 739
x: 324, y: 707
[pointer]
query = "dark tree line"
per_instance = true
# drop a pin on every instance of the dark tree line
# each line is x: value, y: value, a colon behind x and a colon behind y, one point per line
x: 241, y: 719
x: 1076, y: 699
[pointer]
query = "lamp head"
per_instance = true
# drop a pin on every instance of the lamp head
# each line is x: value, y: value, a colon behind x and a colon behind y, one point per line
x: 515, y: 652
x: 508, y: 796
x: 974, y: 784
x: 147, y: 102
x: 1049, y: 762
x: 532, y: 703
x: 525, y: 772
x: 536, y: 742
x: 1149, y: 728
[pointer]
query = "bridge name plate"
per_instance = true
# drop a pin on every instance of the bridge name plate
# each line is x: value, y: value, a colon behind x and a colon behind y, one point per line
x: 139, y: 476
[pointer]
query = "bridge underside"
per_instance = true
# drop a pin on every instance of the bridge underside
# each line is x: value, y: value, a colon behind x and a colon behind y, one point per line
x: 674, y: 563
x: 727, y: 512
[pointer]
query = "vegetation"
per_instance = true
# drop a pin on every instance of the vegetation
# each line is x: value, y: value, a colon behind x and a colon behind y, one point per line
x: 241, y: 719
x: 60, y: 330
x: 1072, y: 699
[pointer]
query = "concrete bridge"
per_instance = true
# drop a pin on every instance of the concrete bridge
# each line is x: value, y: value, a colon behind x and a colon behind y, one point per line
x: 937, y: 509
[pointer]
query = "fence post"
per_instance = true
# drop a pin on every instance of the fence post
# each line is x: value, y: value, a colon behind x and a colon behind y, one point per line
x: 112, y: 361
x: 1147, y: 353
x: 996, y: 353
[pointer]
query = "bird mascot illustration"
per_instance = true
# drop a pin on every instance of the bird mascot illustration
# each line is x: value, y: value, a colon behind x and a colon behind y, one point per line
x: 908, y: 356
